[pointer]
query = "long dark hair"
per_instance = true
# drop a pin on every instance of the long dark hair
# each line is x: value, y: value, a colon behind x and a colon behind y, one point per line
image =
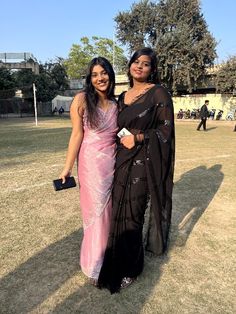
x: 91, y: 96
x: 153, y: 77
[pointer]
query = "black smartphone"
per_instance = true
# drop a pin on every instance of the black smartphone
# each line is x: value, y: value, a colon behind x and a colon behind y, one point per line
x: 58, y: 185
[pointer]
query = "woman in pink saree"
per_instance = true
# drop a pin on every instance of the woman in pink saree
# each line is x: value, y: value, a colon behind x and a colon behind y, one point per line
x: 92, y: 142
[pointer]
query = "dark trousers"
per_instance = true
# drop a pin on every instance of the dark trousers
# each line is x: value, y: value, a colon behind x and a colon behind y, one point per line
x: 202, y: 123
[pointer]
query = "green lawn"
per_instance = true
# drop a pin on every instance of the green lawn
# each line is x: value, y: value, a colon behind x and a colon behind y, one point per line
x: 41, y: 230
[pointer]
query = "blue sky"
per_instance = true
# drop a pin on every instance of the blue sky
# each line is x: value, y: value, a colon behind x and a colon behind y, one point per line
x: 48, y: 28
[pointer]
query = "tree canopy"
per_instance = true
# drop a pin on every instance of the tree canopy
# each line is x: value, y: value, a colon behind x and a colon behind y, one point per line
x: 7, y: 84
x: 177, y: 31
x: 81, y: 54
x: 6, y: 79
x: 51, y: 79
x: 226, y: 77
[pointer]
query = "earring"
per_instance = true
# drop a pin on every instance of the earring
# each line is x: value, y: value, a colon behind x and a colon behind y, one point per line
x: 150, y: 78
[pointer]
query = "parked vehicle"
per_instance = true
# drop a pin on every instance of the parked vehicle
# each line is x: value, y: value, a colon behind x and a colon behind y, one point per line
x: 187, y: 114
x: 193, y: 114
x: 219, y: 115
x: 180, y: 114
x: 212, y: 114
x: 231, y: 115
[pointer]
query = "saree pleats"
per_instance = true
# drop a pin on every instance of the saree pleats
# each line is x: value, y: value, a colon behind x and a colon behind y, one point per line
x: 96, y: 163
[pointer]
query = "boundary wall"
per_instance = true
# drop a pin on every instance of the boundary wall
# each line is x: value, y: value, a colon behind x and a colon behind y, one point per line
x: 223, y: 102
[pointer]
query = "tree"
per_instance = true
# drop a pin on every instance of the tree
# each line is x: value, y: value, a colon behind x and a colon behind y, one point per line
x: 7, y: 84
x: 178, y: 32
x: 226, y: 76
x: 137, y: 27
x: 6, y: 79
x: 81, y: 54
x: 52, y: 78
x: 24, y: 78
x: 107, y: 48
x: 56, y: 74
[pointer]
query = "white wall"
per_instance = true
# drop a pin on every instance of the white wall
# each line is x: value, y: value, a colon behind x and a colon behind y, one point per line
x: 216, y: 101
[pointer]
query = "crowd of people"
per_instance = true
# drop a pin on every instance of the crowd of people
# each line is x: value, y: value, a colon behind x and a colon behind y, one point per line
x: 60, y: 111
x: 196, y: 114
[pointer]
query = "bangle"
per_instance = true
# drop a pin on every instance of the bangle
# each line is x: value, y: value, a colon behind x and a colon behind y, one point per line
x: 135, y: 138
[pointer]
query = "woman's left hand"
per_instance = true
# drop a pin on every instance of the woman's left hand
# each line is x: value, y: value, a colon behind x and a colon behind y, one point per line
x: 128, y: 141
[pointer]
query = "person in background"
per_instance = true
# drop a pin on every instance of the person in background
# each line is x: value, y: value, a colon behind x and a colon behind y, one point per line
x: 94, y: 127
x: 143, y: 174
x: 203, y: 116
x: 212, y: 113
x: 61, y: 111
x: 180, y: 114
x: 55, y: 110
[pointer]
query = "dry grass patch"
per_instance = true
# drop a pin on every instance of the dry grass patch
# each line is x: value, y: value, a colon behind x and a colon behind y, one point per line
x: 41, y: 230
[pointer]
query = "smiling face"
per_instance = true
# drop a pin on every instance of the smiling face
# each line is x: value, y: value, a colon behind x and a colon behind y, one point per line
x: 100, y: 79
x: 140, y: 69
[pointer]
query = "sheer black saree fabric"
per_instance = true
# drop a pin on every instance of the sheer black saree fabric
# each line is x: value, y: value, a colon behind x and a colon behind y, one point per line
x: 143, y: 173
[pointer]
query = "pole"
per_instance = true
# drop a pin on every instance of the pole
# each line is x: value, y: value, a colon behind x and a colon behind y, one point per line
x: 35, y: 105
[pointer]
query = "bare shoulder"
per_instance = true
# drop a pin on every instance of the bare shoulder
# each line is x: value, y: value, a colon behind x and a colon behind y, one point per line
x: 78, y: 103
x: 79, y: 100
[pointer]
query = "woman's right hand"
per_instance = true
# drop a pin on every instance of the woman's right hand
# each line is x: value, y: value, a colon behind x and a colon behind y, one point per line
x: 65, y: 173
x: 128, y: 141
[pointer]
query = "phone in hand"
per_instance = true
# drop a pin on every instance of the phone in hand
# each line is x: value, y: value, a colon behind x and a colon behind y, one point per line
x: 58, y: 185
x: 123, y: 132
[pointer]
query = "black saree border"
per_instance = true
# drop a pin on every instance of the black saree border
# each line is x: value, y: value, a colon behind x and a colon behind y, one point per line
x: 130, y: 112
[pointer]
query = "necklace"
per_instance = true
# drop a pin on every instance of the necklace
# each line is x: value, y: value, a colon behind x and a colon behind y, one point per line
x: 140, y: 90
x: 134, y: 94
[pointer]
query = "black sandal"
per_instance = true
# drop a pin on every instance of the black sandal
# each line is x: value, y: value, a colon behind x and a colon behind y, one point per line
x: 126, y: 282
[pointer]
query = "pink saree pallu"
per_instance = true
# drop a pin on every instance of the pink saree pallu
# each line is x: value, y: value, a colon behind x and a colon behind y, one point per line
x: 96, y: 163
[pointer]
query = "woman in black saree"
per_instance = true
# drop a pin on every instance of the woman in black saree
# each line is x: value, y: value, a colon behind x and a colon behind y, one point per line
x: 143, y: 175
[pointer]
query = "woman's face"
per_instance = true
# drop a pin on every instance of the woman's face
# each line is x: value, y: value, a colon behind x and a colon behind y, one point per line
x: 140, y: 69
x: 100, y: 79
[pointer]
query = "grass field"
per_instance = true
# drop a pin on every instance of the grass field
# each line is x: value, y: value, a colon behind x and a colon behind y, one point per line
x: 41, y: 230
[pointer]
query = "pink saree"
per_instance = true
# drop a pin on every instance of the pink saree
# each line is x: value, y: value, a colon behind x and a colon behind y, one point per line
x: 96, y: 161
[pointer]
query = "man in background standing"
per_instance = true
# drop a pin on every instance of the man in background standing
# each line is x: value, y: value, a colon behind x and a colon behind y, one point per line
x: 203, y: 116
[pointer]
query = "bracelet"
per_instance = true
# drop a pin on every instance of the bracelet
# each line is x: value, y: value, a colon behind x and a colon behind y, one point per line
x: 135, y: 138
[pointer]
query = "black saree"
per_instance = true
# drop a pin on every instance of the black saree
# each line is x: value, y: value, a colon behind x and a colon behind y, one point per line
x: 143, y: 173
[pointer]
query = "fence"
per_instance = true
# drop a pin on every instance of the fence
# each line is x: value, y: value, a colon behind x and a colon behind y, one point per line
x: 19, y: 108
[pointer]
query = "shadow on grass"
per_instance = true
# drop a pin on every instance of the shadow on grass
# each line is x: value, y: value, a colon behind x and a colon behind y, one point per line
x: 34, y: 281
x: 210, y: 129
x: 40, y: 276
x: 192, y: 195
